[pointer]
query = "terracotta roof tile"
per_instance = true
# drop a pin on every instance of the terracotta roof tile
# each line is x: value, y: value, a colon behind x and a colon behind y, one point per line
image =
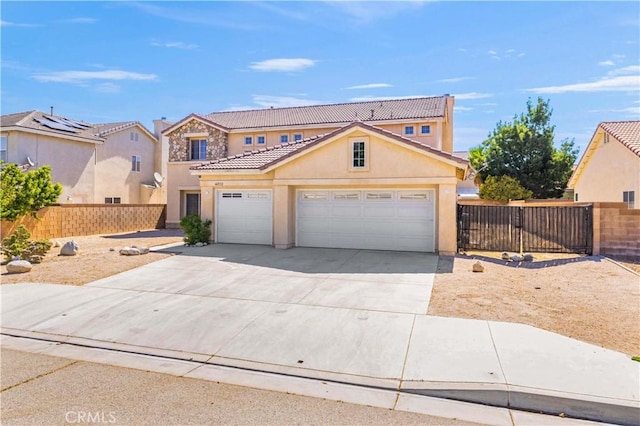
x: 265, y: 157
x: 370, y: 111
x: 627, y: 132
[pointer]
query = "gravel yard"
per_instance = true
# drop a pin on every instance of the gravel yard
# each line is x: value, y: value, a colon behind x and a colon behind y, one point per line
x: 588, y: 298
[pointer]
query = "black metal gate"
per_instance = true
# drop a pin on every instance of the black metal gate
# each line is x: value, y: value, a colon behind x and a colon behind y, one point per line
x: 561, y: 229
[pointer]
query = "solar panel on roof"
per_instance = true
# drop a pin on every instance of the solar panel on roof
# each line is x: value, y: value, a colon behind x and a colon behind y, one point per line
x: 76, y: 124
x: 56, y: 126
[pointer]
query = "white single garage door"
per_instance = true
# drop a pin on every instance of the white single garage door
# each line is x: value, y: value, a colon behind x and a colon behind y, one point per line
x: 244, y: 217
x: 367, y: 219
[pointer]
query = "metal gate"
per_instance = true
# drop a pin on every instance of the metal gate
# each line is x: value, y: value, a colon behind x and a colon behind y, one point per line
x: 552, y: 229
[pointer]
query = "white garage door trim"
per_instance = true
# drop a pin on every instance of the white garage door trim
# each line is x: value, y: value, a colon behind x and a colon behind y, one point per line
x: 244, y: 217
x: 374, y: 219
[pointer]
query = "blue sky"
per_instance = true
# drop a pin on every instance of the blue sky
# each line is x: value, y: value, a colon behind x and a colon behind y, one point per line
x: 121, y: 61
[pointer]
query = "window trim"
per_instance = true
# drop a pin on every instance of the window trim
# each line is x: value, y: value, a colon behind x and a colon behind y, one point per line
x: 264, y: 137
x: 366, y: 160
x: 285, y: 136
x: 405, y: 127
x: 4, y: 148
x: 298, y: 139
x: 629, y: 198
x: 248, y: 138
x: 428, y: 126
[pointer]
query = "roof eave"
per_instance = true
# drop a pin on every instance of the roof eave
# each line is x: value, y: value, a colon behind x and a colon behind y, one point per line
x: 97, y: 140
x: 195, y: 117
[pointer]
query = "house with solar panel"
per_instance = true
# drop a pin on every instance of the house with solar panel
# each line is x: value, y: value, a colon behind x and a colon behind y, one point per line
x: 95, y: 163
x: 363, y: 175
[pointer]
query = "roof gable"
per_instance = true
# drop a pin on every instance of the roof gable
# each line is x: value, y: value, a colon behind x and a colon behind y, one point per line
x: 105, y: 129
x: 197, y: 117
x: 54, y: 125
x: 271, y: 157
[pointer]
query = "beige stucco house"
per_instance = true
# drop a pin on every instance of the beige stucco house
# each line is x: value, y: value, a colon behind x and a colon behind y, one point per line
x: 609, y: 170
x: 95, y: 163
x: 371, y: 175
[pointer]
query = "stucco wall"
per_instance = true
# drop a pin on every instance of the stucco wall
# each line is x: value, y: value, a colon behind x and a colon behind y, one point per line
x: 611, y: 169
x: 72, y: 162
x: 114, y: 174
x: 90, y: 219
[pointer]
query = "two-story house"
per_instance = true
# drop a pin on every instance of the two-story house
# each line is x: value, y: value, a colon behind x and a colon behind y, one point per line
x: 95, y: 163
x: 370, y: 175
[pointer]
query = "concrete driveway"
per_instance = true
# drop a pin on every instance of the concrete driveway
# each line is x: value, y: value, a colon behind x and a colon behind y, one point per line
x: 347, y: 316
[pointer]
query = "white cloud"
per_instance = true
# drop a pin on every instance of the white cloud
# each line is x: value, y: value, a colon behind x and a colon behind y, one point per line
x: 608, y: 63
x: 81, y: 20
x: 370, y: 86
x: 631, y: 69
x: 17, y: 24
x: 175, y: 45
x: 626, y: 83
x: 492, y: 52
x: 108, y: 88
x: 78, y: 77
x: 266, y: 101
x: 460, y: 49
x: 462, y: 108
x: 383, y: 98
x: 367, y: 12
x: 509, y: 53
x: 472, y: 95
x: 455, y: 79
x: 283, y: 64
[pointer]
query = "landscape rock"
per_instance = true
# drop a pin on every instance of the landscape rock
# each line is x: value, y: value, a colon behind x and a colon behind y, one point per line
x: 505, y: 256
x: 129, y: 251
x: 199, y: 244
x: 143, y: 250
x: 477, y: 267
x: 56, y: 243
x: 70, y: 248
x: 36, y: 258
x: 528, y: 257
x: 18, y: 266
x: 516, y: 258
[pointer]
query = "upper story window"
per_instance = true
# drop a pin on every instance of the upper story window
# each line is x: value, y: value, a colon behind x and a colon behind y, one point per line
x: 198, y: 149
x: 3, y: 149
x: 358, y: 152
x: 629, y: 197
x: 297, y: 137
x: 112, y: 200
x: 409, y: 130
x: 133, y: 136
x: 284, y: 138
x: 135, y: 163
x: 425, y: 129
x: 248, y: 140
x: 261, y: 140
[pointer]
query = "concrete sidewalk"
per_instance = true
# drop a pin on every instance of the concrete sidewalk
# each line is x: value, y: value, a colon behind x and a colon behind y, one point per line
x: 341, y: 316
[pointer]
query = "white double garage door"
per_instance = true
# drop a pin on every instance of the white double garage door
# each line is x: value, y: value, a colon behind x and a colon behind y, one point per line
x: 359, y: 219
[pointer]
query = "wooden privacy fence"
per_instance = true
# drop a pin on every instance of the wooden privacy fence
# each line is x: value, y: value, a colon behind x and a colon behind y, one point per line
x: 550, y: 229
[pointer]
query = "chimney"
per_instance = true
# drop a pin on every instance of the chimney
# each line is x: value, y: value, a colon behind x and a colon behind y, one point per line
x: 52, y: 111
x: 372, y: 113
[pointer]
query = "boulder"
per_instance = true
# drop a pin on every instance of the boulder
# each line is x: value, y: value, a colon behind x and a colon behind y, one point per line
x: 70, y: 248
x: 477, y: 267
x: 505, y: 256
x: 199, y: 244
x: 528, y: 257
x: 516, y: 258
x: 143, y: 250
x: 129, y: 251
x: 18, y: 266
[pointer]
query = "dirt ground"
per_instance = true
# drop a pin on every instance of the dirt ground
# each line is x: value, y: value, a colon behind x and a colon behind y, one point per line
x: 94, y: 259
x: 588, y: 298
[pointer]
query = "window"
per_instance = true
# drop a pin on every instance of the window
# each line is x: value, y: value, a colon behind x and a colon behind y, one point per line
x: 629, y: 197
x: 576, y: 197
x: 297, y: 137
x: 135, y: 163
x: 112, y: 200
x: 248, y: 140
x: 192, y: 204
x: 261, y: 140
x: 3, y: 149
x: 284, y: 138
x: 133, y: 136
x: 425, y: 129
x: 409, y: 130
x: 605, y: 138
x: 198, y: 149
x: 358, y: 155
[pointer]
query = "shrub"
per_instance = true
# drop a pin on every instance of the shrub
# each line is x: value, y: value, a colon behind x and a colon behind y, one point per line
x: 16, y: 243
x: 195, y: 229
x: 503, y: 189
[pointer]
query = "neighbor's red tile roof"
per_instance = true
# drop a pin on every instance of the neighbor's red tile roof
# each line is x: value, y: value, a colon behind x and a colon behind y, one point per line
x: 264, y: 158
x: 394, y: 109
x: 627, y: 132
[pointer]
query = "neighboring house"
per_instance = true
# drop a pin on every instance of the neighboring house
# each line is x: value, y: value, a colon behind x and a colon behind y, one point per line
x: 95, y: 163
x: 467, y: 189
x: 370, y: 175
x: 609, y: 170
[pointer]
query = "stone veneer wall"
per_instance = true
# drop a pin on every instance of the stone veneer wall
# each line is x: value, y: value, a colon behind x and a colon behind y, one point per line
x: 90, y: 219
x: 217, y: 141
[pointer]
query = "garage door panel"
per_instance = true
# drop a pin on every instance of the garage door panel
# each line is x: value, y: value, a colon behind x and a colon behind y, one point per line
x: 244, y: 217
x: 368, y: 219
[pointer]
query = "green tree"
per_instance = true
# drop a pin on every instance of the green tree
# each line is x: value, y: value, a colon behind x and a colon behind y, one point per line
x: 26, y: 193
x: 524, y: 150
x: 503, y: 188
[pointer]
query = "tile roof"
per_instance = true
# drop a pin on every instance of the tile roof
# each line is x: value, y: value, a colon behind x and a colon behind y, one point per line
x: 104, y: 129
x: 627, y: 132
x: 264, y: 158
x: 370, y: 111
x: 13, y: 119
